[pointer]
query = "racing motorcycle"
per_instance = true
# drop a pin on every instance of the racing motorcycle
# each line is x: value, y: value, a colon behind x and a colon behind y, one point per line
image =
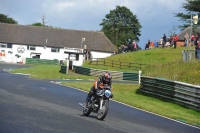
x: 99, y: 103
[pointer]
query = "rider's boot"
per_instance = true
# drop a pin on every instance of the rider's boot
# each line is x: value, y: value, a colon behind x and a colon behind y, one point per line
x: 86, y: 101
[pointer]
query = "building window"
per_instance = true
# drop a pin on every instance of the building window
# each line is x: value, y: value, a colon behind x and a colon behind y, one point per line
x: 9, y: 45
x: 55, y: 50
x: 3, y: 45
x: 74, y: 57
x: 31, y: 48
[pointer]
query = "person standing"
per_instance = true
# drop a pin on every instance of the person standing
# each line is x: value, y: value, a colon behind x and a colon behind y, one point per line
x: 198, y: 48
x: 147, y: 45
x: 186, y: 39
x: 175, y: 40
x: 134, y: 46
x: 164, y: 40
x: 155, y: 43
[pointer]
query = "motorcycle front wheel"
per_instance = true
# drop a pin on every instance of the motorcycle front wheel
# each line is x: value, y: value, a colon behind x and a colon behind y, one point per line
x: 101, y: 114
x: 87, y: 110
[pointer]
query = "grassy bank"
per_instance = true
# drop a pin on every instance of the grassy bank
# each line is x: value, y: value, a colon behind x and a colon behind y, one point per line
x: 163, y: 63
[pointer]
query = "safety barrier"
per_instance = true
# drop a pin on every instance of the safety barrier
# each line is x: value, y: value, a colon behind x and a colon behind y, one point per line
x: 63, y: 69
x: 189, y: 55
x: 115, y: 74
x: 41, y: 61
x: 184, y: 94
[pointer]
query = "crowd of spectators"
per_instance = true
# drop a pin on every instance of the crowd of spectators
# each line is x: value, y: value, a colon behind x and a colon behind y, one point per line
x: 163, y: 42
x: 127, y: 48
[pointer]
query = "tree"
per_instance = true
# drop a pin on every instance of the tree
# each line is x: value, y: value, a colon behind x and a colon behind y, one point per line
x: 121, y: 26
x: 38, y: 24
x: 5, y: 19
x: 43, y: 24
x: 192, y: 8
x: 172, y: 31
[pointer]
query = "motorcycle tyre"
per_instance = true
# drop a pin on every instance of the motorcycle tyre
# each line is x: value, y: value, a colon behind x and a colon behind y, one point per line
x: 105, y: 112
x: 88, y: 112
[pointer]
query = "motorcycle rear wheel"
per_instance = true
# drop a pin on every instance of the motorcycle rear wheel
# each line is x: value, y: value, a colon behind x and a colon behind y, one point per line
x: 101, y: 114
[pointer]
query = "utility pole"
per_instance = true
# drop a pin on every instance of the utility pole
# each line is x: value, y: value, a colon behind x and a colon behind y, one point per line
x: 43, y: 19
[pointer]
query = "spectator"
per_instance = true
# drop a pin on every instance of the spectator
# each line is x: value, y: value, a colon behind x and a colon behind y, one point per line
x: 134, y: 46
x: 164, y: 40
x: 192, y: 40
x: 119, y: 50
x: 198, y: 49
x: 175, y: 38
x: 123, y: 48
x: 155, y: 43
x: 151, y: 45
x: 147, y: 45
x: 130, y: 47
x: 186, y: 39
x: 195, y: 40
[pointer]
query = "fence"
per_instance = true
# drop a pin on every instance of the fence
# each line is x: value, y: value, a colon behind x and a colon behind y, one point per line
x: 115, y: 75
x: 41, y: 61
x: 181, y: 93
x: 116, y: 64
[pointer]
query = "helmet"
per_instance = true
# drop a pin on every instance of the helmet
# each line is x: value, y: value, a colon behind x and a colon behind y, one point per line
x: 107, y: 78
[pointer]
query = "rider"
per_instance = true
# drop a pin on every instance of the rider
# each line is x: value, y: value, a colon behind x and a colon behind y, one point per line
x: 101, y: 81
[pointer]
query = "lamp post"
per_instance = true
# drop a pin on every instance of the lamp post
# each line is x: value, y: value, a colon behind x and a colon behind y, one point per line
x: 195, y: 19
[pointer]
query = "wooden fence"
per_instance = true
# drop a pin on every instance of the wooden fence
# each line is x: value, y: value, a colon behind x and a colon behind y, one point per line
x: 116, y: 64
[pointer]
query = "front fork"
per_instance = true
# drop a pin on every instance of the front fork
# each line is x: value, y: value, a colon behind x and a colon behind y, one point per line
x: 101, y: 103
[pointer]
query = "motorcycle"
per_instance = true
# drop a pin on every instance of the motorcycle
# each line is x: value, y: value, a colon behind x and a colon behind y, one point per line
x: 99, y: 103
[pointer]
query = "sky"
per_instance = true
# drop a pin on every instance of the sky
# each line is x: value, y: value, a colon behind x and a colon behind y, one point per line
x: 155, y: 16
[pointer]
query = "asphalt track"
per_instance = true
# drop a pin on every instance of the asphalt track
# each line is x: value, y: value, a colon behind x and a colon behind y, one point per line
x: 40, y: 106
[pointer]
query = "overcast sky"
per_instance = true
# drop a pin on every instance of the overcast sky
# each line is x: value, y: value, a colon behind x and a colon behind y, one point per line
x: 155, y: 16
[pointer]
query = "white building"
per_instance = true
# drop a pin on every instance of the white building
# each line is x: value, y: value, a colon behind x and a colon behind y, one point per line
x: 18, y: 42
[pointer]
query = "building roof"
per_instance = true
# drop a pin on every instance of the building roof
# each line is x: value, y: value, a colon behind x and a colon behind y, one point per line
x: 187, y: 30
x: 56, y: 37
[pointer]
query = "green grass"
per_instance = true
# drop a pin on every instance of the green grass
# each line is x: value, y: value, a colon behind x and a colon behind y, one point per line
x: 50, y: 72
x: 164, y: 63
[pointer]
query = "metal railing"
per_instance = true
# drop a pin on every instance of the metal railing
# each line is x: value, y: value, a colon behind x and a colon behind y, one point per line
x: 184, y: 94
x: 189, y: 55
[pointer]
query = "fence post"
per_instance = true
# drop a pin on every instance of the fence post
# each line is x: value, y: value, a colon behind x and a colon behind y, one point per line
x: 139, y: 75
x: 67, y: 66
x: 104, y: 61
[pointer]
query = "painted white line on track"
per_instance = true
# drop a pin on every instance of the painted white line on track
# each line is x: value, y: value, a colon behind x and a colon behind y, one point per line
x: 137, y: 108
x: 22, y: 74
